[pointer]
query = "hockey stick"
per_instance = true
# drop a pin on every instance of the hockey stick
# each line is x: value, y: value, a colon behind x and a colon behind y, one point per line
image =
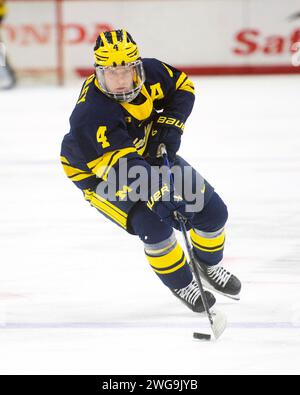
x: 217, y: 319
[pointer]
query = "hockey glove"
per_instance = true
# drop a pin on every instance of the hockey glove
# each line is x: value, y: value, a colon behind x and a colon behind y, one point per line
x: 165, y: 202
x: 169, y: 131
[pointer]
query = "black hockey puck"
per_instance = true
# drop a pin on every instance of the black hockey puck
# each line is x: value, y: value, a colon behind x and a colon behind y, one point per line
x: 201, y: 336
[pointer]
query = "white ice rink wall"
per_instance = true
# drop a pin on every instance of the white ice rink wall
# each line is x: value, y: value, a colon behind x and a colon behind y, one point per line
x: 202, y: 36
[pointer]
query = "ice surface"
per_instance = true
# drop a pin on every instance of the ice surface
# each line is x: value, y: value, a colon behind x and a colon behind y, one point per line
x: 76, y: 293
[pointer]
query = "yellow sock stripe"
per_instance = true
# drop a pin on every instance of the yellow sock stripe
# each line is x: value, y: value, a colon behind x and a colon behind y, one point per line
x: 219, y: 248
x: 173, y: 268
x: 206, y: 242
x: 164, y: 261
x: 101, y: 166
x: 109, y: 212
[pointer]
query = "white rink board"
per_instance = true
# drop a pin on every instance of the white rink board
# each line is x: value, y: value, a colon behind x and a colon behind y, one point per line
x: 30, y: 34
x: 181, y: 32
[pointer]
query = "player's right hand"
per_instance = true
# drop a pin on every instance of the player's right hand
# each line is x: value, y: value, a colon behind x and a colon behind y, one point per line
x: 165, y: 202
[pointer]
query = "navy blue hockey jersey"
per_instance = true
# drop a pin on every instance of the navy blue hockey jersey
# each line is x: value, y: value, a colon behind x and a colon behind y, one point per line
x: 104, y: 130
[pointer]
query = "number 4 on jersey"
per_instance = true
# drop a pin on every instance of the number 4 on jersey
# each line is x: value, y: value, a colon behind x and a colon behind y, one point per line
x: 101, y: 138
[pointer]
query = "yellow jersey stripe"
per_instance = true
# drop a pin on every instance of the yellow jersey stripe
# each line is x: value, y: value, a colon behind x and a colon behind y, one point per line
x: 80, y: 177
x: 187, y: 86
x: 92, y: 196
x: 180, y: 80
x: 110, y: 205
x: 112, y: 161
x: 63, y: 159
x: 109, y: 212
x: 73, y: 171
x: 101, y: 166
x: 88, y: 194
x: 82, y: 96
x: 169, y: 70
x: 94, y: 162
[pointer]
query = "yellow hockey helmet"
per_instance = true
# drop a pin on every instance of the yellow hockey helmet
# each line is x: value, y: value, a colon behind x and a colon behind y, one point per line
x: 115, y: 50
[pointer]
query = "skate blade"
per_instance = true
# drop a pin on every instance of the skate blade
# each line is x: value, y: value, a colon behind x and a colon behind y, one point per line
x: 207, y: 285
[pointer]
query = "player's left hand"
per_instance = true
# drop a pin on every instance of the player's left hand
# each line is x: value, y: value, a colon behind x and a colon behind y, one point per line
x: 170, y: 137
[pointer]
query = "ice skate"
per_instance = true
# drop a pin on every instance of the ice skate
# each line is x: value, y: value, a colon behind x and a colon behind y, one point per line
x: 220, y: 280
x: 191, y: 297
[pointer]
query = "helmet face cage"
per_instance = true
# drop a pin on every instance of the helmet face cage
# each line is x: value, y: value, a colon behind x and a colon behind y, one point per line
x: 138, y: 78
x: 116, y: 55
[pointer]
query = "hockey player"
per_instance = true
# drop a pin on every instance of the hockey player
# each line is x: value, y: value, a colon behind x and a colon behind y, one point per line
x: 7, y: 74
x: 125, y: 111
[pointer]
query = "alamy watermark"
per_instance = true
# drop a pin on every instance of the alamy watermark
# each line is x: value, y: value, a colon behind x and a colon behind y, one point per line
x: 2, y: 55
x: 296, y: 55
x: 137, y: 183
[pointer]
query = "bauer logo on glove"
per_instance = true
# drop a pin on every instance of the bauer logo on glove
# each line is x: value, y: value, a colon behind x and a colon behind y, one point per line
x: 171, y: 122
x: 157, y: 196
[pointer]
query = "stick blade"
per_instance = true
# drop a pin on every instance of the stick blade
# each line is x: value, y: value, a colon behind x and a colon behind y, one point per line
x: 219, y: 323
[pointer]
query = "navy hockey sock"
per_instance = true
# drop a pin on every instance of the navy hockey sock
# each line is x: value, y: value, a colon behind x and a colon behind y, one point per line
x: 164, y: 254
